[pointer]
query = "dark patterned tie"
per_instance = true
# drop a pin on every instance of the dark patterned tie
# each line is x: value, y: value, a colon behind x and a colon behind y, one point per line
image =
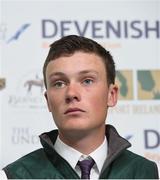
x: 85, y: 167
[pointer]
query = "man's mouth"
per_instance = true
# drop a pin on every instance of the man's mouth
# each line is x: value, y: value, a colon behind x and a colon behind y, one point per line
x: 73, y: 110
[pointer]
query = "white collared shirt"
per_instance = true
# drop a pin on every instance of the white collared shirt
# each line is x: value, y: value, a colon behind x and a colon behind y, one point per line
x: 72, y: 156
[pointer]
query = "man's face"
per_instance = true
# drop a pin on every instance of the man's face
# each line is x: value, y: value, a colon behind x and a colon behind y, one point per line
x: 77, y: 92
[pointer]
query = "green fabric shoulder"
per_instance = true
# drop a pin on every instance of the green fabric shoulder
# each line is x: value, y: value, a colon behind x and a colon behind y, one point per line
x: 35, y: 165
x: 132, y: 166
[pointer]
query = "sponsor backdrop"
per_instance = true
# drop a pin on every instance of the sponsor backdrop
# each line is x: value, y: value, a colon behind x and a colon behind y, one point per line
x: 129, y: 29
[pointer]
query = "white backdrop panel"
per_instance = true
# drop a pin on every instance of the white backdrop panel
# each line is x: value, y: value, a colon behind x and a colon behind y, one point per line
x: 129, y: 29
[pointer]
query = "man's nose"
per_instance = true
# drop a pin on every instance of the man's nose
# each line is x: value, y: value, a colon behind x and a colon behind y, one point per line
x: 73, y: 93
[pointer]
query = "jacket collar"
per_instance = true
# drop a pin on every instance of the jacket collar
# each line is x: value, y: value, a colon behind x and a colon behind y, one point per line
x: 116, y: 144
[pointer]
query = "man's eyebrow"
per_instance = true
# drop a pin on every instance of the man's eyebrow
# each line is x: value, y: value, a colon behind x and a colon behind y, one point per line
x: 54, y: 74
x: 80, y: 73
x: 88, y: 71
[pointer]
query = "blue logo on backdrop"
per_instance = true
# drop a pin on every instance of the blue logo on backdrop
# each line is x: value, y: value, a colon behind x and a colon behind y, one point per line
x: 151, y: 138
x: 99, y: 29
x: 18, y: 33
x: 128, y: 137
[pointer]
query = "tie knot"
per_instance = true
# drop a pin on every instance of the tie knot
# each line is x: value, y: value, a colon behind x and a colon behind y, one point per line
x: 85, y: 167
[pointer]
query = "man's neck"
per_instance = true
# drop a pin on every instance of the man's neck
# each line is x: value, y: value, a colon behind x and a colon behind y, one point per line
x: 84, y: 142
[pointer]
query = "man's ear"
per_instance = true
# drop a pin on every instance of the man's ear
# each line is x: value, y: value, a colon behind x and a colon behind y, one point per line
x: 112, y: 95
x: 46, y: 97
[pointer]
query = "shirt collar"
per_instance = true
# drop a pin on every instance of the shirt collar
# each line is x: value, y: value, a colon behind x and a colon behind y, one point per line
x: 99, y: 155
x: 67, y: 152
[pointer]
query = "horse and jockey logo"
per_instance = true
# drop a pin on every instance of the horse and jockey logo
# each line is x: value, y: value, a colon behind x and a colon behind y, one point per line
x: 34, y: 83
x: 29, y: 92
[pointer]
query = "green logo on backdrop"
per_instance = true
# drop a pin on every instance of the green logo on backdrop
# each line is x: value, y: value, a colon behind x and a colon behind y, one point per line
x: 147, y: 83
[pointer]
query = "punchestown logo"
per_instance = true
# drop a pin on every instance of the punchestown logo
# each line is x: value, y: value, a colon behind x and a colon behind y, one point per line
x: 30, y: 92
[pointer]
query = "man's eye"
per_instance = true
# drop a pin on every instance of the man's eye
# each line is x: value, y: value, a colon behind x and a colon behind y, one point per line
x: 88, y: 81
x: 59, y: 84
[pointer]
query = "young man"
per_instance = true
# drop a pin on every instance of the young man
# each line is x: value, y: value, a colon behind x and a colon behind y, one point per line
x: 79, y: 76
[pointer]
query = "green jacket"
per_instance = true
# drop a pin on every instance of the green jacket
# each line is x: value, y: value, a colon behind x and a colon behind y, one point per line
x: 46, y: 163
